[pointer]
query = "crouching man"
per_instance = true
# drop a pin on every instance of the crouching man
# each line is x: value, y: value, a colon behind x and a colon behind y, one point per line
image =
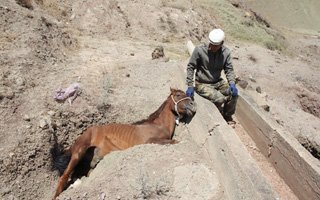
x: 207, y: 62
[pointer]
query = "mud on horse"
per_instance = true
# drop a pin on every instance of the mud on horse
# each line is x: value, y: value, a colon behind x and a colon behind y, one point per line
x: 158, y: 128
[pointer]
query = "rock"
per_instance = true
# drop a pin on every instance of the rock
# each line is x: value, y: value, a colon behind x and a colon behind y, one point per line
x: 28, y: 126
x: 258, y: 89
x: 252, y: 79
x: 51, y: 113
x: 74, y: 120
x: 58, y: 123
x: 65, y: 114
x: 53, y: 126
x: 26, y: 118
x: 43, y: 123
x: 260, y: 99
x: 266, y: 107
x: 72, y: 16
x: 20, y: 81
x: 26, y: 4
x: 158, y: 52
x: 243, y: 84
x: 102, y: 196
x: 76, y: 183
x: 79, y: 125
x: 6, y: 93
x: 280, y: 122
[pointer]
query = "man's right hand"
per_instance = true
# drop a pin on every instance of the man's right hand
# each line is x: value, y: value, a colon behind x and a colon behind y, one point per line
x: 190, y: 92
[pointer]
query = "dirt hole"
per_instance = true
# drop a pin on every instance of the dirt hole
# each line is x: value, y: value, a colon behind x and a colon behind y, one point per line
x: 312, y: 148
x: 309, y: 104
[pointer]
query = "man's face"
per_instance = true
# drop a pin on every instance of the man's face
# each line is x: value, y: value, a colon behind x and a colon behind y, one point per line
x: 214, y: 48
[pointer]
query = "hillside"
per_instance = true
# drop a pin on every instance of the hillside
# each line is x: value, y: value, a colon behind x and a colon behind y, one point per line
x: 299, y: 16
x: 106, y: 46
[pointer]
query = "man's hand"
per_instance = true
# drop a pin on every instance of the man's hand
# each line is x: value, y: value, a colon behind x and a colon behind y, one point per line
x: 233, y: 90
x: 190, y: 92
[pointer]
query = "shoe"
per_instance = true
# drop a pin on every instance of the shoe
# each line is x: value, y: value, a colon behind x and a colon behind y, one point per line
x: 228, y: 118
x: 230, y: 121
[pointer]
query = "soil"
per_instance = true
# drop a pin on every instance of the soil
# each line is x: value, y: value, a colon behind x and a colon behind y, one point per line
x: 107, y: 47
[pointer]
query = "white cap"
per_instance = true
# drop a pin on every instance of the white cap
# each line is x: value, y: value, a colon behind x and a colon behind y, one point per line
x: 216, y: 36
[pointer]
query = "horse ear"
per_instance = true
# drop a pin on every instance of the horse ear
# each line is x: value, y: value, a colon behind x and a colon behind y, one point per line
x: 172, y: 90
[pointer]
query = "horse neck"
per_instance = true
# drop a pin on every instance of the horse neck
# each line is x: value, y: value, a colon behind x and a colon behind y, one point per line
x: 166, y: 119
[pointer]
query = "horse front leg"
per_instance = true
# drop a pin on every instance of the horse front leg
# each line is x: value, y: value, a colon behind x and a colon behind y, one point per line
x: 63, y: 180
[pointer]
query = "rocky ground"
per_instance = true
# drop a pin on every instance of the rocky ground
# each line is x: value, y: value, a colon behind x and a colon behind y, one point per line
x: 106, y: 46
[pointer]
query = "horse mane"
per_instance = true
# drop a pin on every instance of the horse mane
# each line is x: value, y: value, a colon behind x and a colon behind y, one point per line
x: 154, y: 115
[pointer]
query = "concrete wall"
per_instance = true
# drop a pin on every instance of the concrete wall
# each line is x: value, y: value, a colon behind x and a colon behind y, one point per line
x: 238, y: 171
x: 296, y: 166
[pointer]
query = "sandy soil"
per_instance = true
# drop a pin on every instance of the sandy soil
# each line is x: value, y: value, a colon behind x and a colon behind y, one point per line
x: 106, y: 46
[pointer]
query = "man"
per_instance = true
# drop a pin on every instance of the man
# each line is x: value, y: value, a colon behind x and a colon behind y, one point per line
x: 207, y: 61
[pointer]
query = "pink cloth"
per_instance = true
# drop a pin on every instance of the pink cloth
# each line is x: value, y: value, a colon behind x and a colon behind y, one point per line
x: 69, y: 93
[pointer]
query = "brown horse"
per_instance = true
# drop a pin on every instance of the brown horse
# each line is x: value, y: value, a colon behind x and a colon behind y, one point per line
x: 158, y: 128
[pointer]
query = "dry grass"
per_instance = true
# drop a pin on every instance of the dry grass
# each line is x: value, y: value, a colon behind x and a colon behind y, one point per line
x: 241, y: 27
x: 151, y: 189
x: 178, y: 4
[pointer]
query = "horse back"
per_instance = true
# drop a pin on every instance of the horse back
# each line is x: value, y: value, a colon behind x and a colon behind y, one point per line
x: 123, y: 136
x: 115, y: 136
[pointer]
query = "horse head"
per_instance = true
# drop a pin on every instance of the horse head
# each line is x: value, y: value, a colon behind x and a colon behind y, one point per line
x: 183, y: 106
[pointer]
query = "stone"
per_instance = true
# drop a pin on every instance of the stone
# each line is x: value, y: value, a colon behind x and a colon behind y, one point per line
x: 20, y: 81
x: 102, y: 196
x: 252, y: 79
x: 26, y: 118
x: 43, y: 123
x: 243, y: 84
x: 266, y: 107
x: 51, y: 113
x: 258, y: 89
x: 157, y: 53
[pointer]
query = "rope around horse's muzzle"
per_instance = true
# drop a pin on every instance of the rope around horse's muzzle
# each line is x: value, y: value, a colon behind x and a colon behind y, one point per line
x: 176, y: 107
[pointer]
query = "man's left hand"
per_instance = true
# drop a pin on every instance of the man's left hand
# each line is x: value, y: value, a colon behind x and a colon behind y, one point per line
x: 233, y: 89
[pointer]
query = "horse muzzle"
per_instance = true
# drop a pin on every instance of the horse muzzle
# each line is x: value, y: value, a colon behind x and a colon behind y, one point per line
x: 191, y: 108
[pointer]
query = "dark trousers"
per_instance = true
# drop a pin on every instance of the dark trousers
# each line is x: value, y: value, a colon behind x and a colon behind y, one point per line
x: 219, y: 94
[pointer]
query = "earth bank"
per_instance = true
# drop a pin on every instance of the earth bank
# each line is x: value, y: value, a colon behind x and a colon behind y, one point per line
x: 106, y: 46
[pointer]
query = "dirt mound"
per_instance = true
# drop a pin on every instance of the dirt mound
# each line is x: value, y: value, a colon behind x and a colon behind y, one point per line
x: 106, y: 46
x: 31, y: 44
x: 36, y: 46
x: 183, y: 175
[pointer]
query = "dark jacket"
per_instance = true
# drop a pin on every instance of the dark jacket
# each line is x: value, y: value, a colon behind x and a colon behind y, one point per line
x: 208, y: 65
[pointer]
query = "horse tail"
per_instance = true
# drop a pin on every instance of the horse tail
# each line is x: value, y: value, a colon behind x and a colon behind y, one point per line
x: 59, y: 157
